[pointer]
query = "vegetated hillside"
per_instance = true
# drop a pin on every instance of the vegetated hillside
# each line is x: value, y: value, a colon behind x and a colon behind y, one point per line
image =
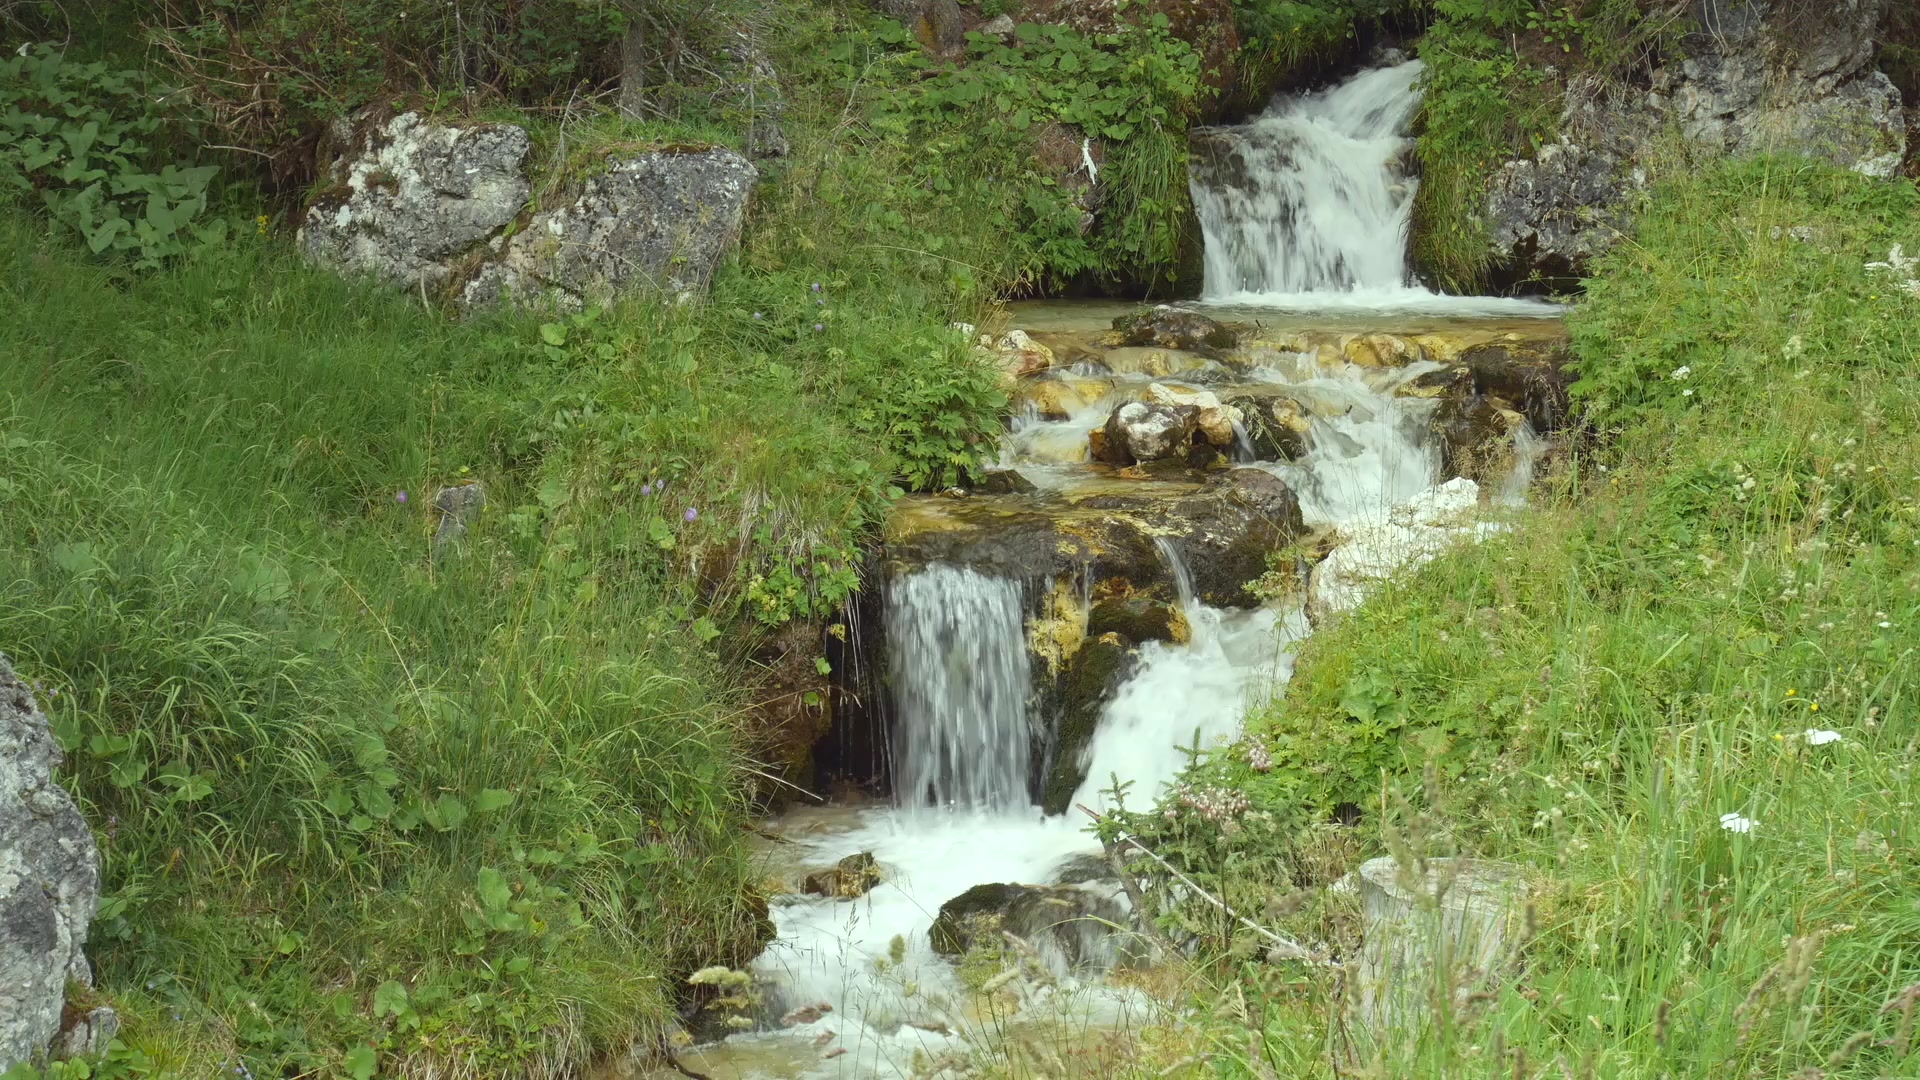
x: 1679, y: 695
x: 369, y: 807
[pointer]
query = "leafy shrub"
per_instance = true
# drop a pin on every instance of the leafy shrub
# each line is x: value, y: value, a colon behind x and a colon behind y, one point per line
x: 273, y: 72
x: 84, y: 138
x: 1134, y: 90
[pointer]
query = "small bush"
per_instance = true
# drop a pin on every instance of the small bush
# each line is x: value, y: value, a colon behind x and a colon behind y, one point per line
x: 87, y: 139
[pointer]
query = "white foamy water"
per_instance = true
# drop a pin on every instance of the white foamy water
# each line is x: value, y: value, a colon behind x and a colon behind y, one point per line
x: 1306, y: 208
x: 957, y: 646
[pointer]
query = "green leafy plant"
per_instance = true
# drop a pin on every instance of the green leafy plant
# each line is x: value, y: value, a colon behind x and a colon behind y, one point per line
x: 84, y: 138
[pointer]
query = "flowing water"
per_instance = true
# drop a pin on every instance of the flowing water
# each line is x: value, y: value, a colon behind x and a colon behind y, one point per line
x: 1307, y: 206
x: 1304, y: 208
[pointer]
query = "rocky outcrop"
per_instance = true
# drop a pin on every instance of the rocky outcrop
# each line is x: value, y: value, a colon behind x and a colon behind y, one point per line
x: 664, y: 217
x: 1757, y: 76
x: 430, y: 206
x: 410, y: 197
x: 49, y: 882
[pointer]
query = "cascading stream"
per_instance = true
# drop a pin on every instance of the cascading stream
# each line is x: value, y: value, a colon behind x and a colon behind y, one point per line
x: 1305, y: 207
x: 1312, y: 197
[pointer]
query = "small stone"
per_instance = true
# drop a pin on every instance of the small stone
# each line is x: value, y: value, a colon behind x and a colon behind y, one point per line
x: 459, y: 506
x: 1000, y: 26
x: 853, y: 876
x: 806, y: 1014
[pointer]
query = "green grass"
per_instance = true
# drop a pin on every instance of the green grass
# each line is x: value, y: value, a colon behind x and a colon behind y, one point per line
x: 481, y: 812
x: 1586, y: 696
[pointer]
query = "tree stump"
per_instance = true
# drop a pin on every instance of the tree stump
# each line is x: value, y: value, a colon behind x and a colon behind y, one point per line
x: 1430, y: 943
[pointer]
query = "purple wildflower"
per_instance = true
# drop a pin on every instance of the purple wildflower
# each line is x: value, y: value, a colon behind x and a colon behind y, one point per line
x: 692, y: 513
x: 659, y: 487
x: 400, y: 497
x: 817, y: 327
x: 646, y: 489
x: 816, y: 286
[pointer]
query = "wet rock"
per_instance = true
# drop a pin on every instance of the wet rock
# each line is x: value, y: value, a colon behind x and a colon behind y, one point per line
x: 49, y: 879
x: 806, y: 1014
x: 1171, y: 328
x: 851, y: 877
x: 1138, y: 619
x: 1475, y: 436
x: 1138, y: 431
x: 1158, y: 363
x: 459, y: 507
x: 1380, y: 350
x: 1019, y: 356
x: 662, y: 218
x: 1005, y: 482
x: 1085, y: 869
x: 1277, y: 427
x: 1531, y: 377
x: 1071, y: 703
x: 1214, y: 421
x: 1067, y: 922
x: 1051, y: 397
x: 410, y: 198
x: 1227, y: 521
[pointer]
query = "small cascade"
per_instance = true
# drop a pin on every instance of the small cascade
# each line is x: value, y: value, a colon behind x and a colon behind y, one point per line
x: 1313, y: 196
x: 958, y: 652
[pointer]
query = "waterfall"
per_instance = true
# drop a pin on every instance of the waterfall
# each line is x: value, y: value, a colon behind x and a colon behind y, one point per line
x: 1313, y: 195
x: 958, y: 655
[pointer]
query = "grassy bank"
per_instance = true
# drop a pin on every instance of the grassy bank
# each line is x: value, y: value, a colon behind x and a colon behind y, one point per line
x: 1730, y: 569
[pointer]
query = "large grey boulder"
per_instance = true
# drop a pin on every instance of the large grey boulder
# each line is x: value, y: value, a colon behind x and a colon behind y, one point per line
x: 1756, y: 76
x: 49, y: 880
x: 444, y: 208
x: 664, y: 217
x: 411, y: 197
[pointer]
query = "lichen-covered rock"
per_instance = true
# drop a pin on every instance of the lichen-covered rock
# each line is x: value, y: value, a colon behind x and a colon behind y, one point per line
x: 1166, y: 327
x: 49, y: 879
x: 1215, y: 422
x: 664, y: 218
x: 410, y: 197
x: 1758, y: 76
x: 1140, y: 431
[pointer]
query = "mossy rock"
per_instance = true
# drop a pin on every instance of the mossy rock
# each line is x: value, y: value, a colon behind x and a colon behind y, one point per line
x: 1072, y: 705
x: 851, y: 877
x: 1073, y: 923
x: 1171, y: 328
x: 1137, y: 619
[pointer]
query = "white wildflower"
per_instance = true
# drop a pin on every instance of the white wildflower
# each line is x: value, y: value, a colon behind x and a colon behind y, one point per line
x: 1688, y: 392
x: 1820, y: 736
x: 1681, y: 372
x: 1739, y: 823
